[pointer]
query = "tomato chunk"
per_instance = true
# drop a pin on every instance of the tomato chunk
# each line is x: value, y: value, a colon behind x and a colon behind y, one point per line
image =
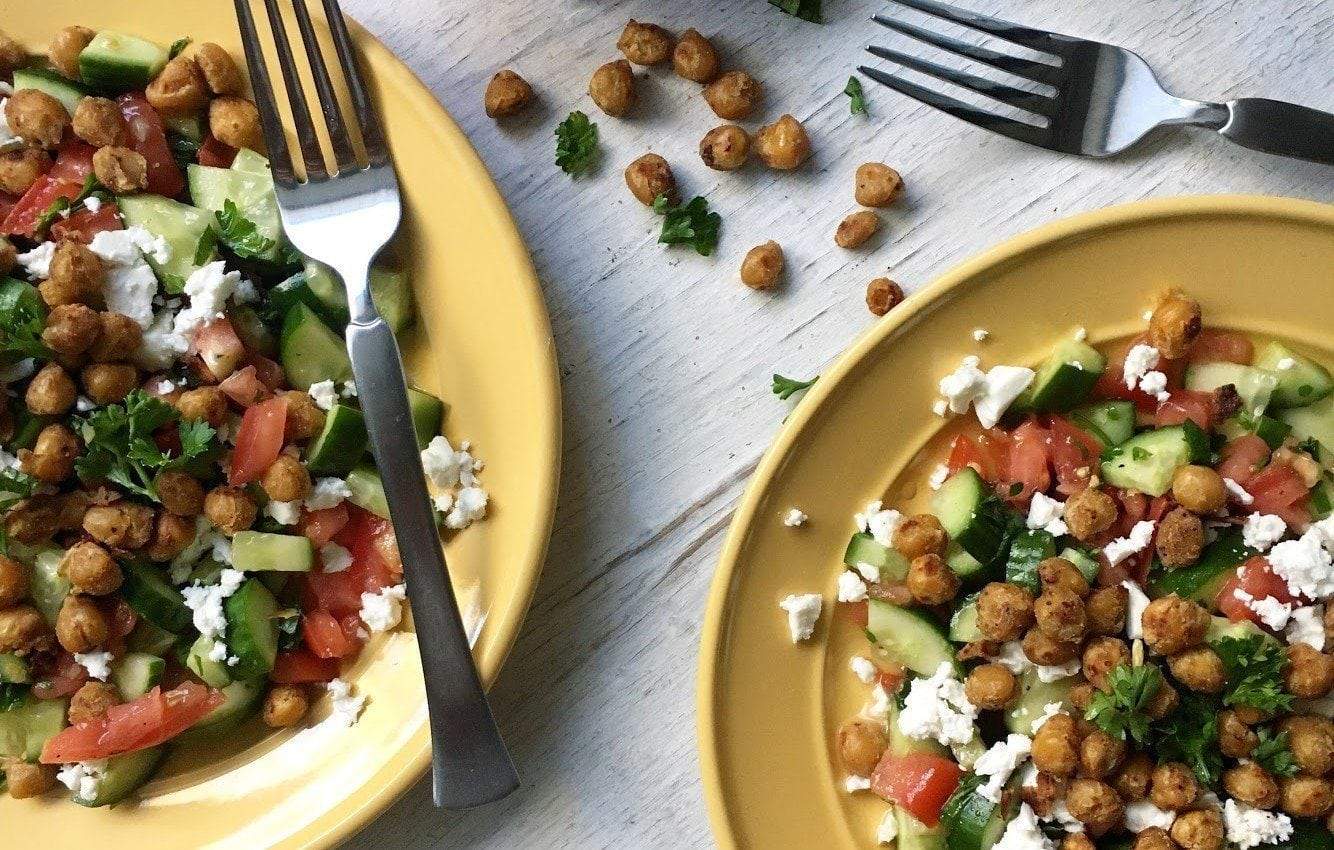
x: 245, y: 388
x: 148, y: 138
x: 1027, y: 471
x: 321, y: 526
x: 74, y: 160
x: 1242, y: 458
x: 1181, y: 405
x: 258, y: 440
x: 215, y: 153
x: 300, y: 666
x: 153, y: 718
x: 340, y: 593
x: 22, y: 219
x: 83, y: 225
x: 1257, y: 578
x: 919, y: 782
x: 1215, y: 346
x: 1074, y: 455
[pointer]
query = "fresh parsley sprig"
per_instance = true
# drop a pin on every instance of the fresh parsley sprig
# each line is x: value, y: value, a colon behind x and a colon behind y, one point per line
x: 785, y: 388
x: 689, y: 224
x: 177, y: 46
x: 1254, y: 668
x: 807, y: 10
x: 121, y: 445
x: 1190, y: 735
x: 239, y: 233
x: 856, y: 97
x: 576, y: 144
x: 1273, y: 753
x: 21, y: 323
x: 1120, y: 710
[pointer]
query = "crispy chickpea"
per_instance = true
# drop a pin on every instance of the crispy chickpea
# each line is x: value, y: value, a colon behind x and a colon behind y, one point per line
x: 613, y: 88
x: 725, y: 148
x: 1077, y: 841
x: 974, y: 650
x: 920, y: 534
x: 180, y: 90
x: 1174, y: 326
x: 1199, y: 489
x: 20, y: 169
x: 733, y: 95
x: 284, y: 705
x: 1250, y: 716
x: 65, y: 48
x: 119, y: 337
x: 645, y: 44
x: 26, y: 780
x: 1056, y: 746
x: 1252, y: 785
x: 991, y: 686
x: 1153, y: 838
x: 1309, y: 674
x: 1180, y: 538
x: 1004, y: 611
x: 286, y: 480
x: 1163, y: 702
x: 71, y: 508
x: 304, y: 417
x: 930, y: 580
x: 9, y: 255
x: 1106, y: 610
x: 783, y: 145
x: 1201, y: 829
x: 1235, y: 738
x: 52, y: 456
x: 1100, y: 755
x: 13, y: 581
x: 506, y: 94
x: 107, y: 383
x: 1089, y: 513
x: 1306, y: 796
x: 1059, y: 573
x: 32, y: 520
x: 1174, y: 787
x: 90, y: 569
x: 98, y: 121
x: 877, y: 185
x: 860, y: 746
x: 121, y: 170
x: 75, y: 276
x: 1042, y: 648
x: 92, y: 701
x: 219, y: 69
x: 854, y: 230
x: 1329, y: 609
x: 1311, y: 740
x: 36, y: 117
x: 203, y: 404
x: 1094, y: 804
x: 883, y: 295
x: 235, y: 121
x: 762, y: 266
x: 120, y: 525
x: 1101, y: 656
x: 80, y: 626
x: 1132, y: 780
x: 1081, y: 695
x: 171, y: 535
x: 20, y: 628
x: 230, y: 509
x: 1043, y: 793
x: 1172, y: 624
x: 1059, y: 614
x: 51, y: 392
x: 694, y: 57
x: 180, y: 492
x: 1198, y: 668
x: 71, y: 329
x: 12, y: 54
x: 650, y: 176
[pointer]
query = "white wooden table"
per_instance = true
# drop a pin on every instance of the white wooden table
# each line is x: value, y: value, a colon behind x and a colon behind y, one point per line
x: 666, y: 357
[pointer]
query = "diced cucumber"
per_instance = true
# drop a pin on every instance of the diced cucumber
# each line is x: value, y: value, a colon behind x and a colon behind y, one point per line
x: 970, y: 570
x: 310, y: 352
x: 253, y: 551
x: 187, y: 126
x: 1087, y: 565
x: 252, y: 634
x: 973, y: 516
x: 970, y: 821
x: 49, y: 585
x: 1147, y: 462
x: 1030, y: 548
x: 1315, y: 421
x: 1222, y: 627
x: 915, y: 835
x: 153, y: 599
x: 1255, y: 386
x: 135, y: 674
x: 1064, y: 379
x: 26, y: 727
x: 181, y: 225
x: 428, y: 414
x: 13, y: 669
x: 1112, y: 422
x: 1034, y: 696
x: 54, y: 83
x: 1272, y: 431
x: 240, y: 700
x: 150, y: 639
x: 864, y: 549
x: 215, y: 674
x: 251, y: 191
x: 1321, y: 500
x: 1202, y: 580
x: 1303, y: 382
x: 342, y: 443
x: 123, y: 776
x: 910, y: 637
x: 389, y: 290
x: 963, y: 623
x: 368, y: 490
x: 250, y: 162
x: 114, y: 62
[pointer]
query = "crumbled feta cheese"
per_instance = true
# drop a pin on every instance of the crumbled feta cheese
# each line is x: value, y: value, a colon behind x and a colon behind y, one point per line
x: 937, y: 708
x: 869, y: 572
x: 208, y: 288
x: 864, y: 668
x: 128, y: 283
x: 161, y: 344
x: 92, y: 203
x: 1238, y: 492
x: 346, y: 707
x: 349, y: 390
x: 83, y: 778
x: 205, y: 601
x: 334, y: 558
x: 284, y: 513
x: 803, y: 612
x: 327, y: 493
x: 939, y: 476
x: 1138, y: 601
x: 220, y: 547
x: 880, y: 524
x: 1140, y: 360
x: 382, y: 611
x: 1060, y: 813
x: 37, y: 262
x: 851, y: 588
x: 795, y: 518
x: 97, y: 663
x: 469, y: 506
x: 854, y: 783
x: 1142, y: 814
x: 1305, y: 563
x: 1249, y: 827
x: 1141, y: 535
x: 962, y: 385
x: 443, y: 502
x: 1056, y: 672
x: 6, y: 135
x: 980, y: 334
x: 1284, y: 364
x: 1260, y: 531
x: 1028, y: 775
x: 940, y: 407
x: 888, y: 830
x: 989, y: 393
x: 1155, y: 384
x: 1023, y: 833
x: 1049, y: 711
x: 1307, y: 625
x: 1045, y: 513
x: 1081, y: 333
x: 998, y: 762
x: 1271, y: 611
x: 245, y: 293
x: 83, y: 404
x: 441, y: 463
x: 324, y: 394
x: 217, y: 651
x: 1011, y: 656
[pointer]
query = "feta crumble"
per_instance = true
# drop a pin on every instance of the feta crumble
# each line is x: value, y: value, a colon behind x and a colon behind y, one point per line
x: 1140, y: 360
x: 161, y: 344
x: 334, y: 558
x: 880, y: 524
x: 1249, y: 827
x: 1238, y: 492
x: 83, y: 778
x: 1045, y: 513
x: 469, y: 506
x: 1284, y: 364
x: 1049, y: 711
x: 346, y: 707
x: 208, y: 288
x: 998, y: 762
x: 92, y: 203
x: 939, y: 476
x: 283, y: 513
x: 940, y: 407
x: 128, y: 283
x: 851, y: 588
x: 989, y: 393
x: 1305, y: 563
x: 1271, y: 611
x: 864, y: 668
x: 37, y: 262
x: 1260, y: 531
x: 382, y: 611
x: 853, y: 783
x: 803, y: 612
x: 869, y: 572
x: 1141, y: 535
x: 1307, y: 625
x: 795, y: 518
x: 1142, y: 814
x: 1135, y: 605
x: 1155, y: 384
x: 205, y: 602
x: 888, y: 830
x: 980, y: 334
x: 324, y: 394
x: 1081, y: 333
x: 1024, y: 833
x: 327, y: 493
x: 937, y: 708
x: 97, y: 663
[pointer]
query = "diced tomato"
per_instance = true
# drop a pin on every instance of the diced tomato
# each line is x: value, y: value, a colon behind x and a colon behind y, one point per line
x: 919, y: 782
x: 321, y: 526
x: 219, y: 347
x: 300, y: 666
x: 1181, y: 405
x: 150, y: 720
x: 1027, y: 463
x: 324, y: 635
x: 74, y: 160
x: 340, y: 593
x: 84, y: 224
x: 269, y: 373
x: 385, y: 544
x: 1112, y: 383
x: 891, y: 680
x: 857, y: 612
x: 22, y: 219
x: 1074, y: 454
x: 987, y: 453
x: 215, y: 153
x: 1278, y: 489
x: 1256, y: 577
x: 149, y: 139
x: 1215, y: 346
x: 245, y: 388
x: 64, y: 678
x: 1242, y: 458
x: 258, y: 440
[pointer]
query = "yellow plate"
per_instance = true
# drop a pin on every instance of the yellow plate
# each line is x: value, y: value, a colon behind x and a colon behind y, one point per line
x: 487, y: 350
x: 767, y: 709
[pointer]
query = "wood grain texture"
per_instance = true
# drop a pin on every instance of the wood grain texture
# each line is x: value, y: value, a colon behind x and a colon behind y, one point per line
x: 666, y: 357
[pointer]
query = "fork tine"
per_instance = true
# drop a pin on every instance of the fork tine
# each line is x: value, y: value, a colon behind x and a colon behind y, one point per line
x: 371, y: 137
x: 345, y: 158
x: 311, y: 154
x: 1018, y: 130
x: 1039, y: 72
x: 1049, y: 42
x: 280, y: 159
x: 1032, y: 101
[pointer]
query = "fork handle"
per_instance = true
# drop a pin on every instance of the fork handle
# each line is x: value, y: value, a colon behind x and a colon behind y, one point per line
x: 469, y: 763
x: 1278, y: 127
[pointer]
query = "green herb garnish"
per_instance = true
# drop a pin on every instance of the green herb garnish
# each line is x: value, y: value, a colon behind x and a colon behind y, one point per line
x: 856, y: 96
x: 1121, y: 710
x: 690, y: 224
x: 239, y: 233
x: 21, y: 320
x: 1254, y: 668
x: 121, y: 446
x: 12, y: 695
x: 1190, y: 735
x: 289, y: 629
x: 785, y: 388
x: 576, y: 144
x: 807, y: 10
x: 1273, y: 753
x: 177, y: 46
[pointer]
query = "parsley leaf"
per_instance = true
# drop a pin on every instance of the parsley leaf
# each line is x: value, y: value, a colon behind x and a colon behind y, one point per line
x: 289, y: 629
x: 576, y: 144
x: 184, y: 150
x: 807, y: 10
x: 857, y: 97
x: 177, y: 46
x: 208, y: 243
x: 691, y: 224
x: 1121, y: 710
x: 1190, y: 734
x: 121, y: 448
x: 1254, y: 668
x: 12, y: 695
x: 60, y: 207
x: 240, y: 234
x: 21, y: 321
x: 1274, y: 754
x: 785, y: 388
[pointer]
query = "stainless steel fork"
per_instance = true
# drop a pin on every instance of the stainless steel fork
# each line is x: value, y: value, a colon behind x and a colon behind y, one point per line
x: 1106, y: 97
x: 343, y: 217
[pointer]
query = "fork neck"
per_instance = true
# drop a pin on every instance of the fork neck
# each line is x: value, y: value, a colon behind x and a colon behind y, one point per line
x: 356, y: 281
x: 1195, y: 113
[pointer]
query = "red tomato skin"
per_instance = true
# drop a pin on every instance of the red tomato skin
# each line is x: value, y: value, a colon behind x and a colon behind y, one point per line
x: 1242, y: 458
x: 321, y: 526
x: 74, y: 160
x: 215, y: 153
x: 1256, y: 577
x: 258, y: 440
x: 83, y: 225
x: 1215, y: 346
x: 919, y: 782
x: 1028, y: 462
x: 245, y: 388
x: 22, y: 219
x: 1112, y: 384
x: 324, y: 635
x: 340, y: 593
x: 66, y: 677
x: 148, y: 138
x: 1071, y: 449
x: 1276, y: 487
x: 219, y: 347
x: 1186, y: 404
x: 301, y: 666
x: 150, y: 720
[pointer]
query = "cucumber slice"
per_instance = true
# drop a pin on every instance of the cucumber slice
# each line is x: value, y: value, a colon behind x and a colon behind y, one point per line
x: 1222, y: 627
x: 150, y: 639
x: 973, y: 516
x: 915, y: 835
x: 26, y: 727
x: 971, y: 821
x: 963, y: 623
x: 1321, y: 500
x: 310, y: 352
x: 252, y: 634
x: 49, y: 585
x: 342, y: 443
x: 1034, y: 697
x: 910, y: 637
x: 114, y: 62
x: 1112, y: 422
x: 188, y: 126
x: 241, y: 700
x: 389, y: 290
x: 1314, y: 422
x: 1030, y: 548
x: 250, y: 162
x: 253, y: 551
x: 1303, y: 382
x: 135, y: 674
x: 1272, y: 431
x: 1202, y: 580
x: 1148, y: 461
x: 215, y: 674
x: 181, y: 225
x: 969, y: 569
x: 1063, y: 380
x: 1087, y: 565
x: 368, y: 490
x: 154, y: 600
x: 1255, y: 386
x: 863, y: 549
x: 54, y: 83
x: 428, y: 414
x: 251, y: 191
x: 123, y: 776
x: 13, y: 669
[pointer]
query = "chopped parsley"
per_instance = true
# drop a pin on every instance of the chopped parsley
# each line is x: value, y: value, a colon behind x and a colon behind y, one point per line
x: 785, y: 388
x: 576, y: 144
x: 856, y: 97
x: 807, y: 10
x: 21, y: 321
x: 239, y: 233
x: 1190, y: 735
x: 177, y: 46
x: 121, y: 445
x: 1121, y: 710
x: 12, y: 695
x: 289, y: 629
x: 1273, y: 753
x: 689, y: 224
x: 184, y: 150
x: 1254, y: 668
x: 15, y: 485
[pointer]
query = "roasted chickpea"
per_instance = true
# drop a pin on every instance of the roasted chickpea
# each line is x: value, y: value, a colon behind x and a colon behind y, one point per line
x: 1132, y: 780
x: 1081, y: 695
x: 1077, y: 841
x: 75, y: 276
x: 1174, y: 325
x: 203, y: 404
x: 920, y: 534
x: 1198, y: 668
x: 1306, y: 796
x: 1201, y: 829
x: 1251, y: 784
x: 1094, y: 804
x: 1004, y: 611
x: 180, y: 90
x: 1059, y: 573
x: 119, y: 337
x: 120, y: 525
x: 52, y: 456
x: 20, y: 169
x: 304, y: 417
x: 1100, y: 755
x: 725, y: 148
x: 1153, y: 838
x: 1311, y: 740
x: 33, y: 520
x: 284, y: 705
x: 26, y: 780
x: 9, y: 255
x: 854, y: 230
x: 71, y: 329
x: 650, y: 176
x: 13, y: 581
x: 1235, y: 739
x: 1329, y: 609
x: 219, y: 69
x: 1056, y: 746
x: 506, y: 94
x: 1059, y: 614
x: 860, y: 746
x: 51, y: 392
x: 1180, y: 538
x: 180, y: 492
x: 991, y: 686
x: 877, y: 185
x: 71, y: 508
x: 21, y: 627
x: 1106, y: 610
x: 12, y: 55
x: 1174, y: 787
x: 92, y: 701
x: 883, y: 295
x: 1043, y: 793
x: 121, y: 170
x: 762, y: 266
x: 108, y: 383
x: 1041, y: 648
x: 1199, y: 489
x: 36, y: 117
x: 1101, y: 656
x: 613, y: 88
x: 235, y: 121
x: 733, y: 95
x: 1172, y: 624
x: 65, y: 48
x: 171, y: 535
x: 1163, y: 702
x: 645, y: 44
x: 98, y: 121
x: 286, y: 480
x: 1309, y: 674
x: 694, y: 57
x: 90, y: 569
x: 1089, y: 513
x: 230, y: 509
x: 783, y: 145
x: 931, y: 581
x: 80, y: 626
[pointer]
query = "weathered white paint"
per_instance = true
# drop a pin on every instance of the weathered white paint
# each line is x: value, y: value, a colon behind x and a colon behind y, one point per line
x: 666, y: 357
